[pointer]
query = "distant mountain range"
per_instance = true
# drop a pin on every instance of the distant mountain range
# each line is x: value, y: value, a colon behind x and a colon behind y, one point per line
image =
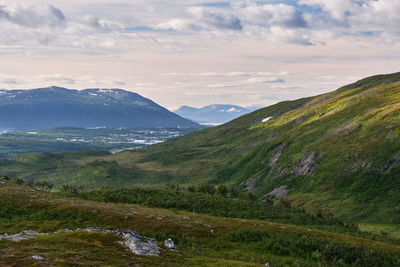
x: 56, y: 107
x: 213, y: 114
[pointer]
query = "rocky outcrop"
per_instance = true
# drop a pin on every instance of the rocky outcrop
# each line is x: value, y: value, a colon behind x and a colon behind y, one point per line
x: 251, y: 184
x: 15, y: 238
x: 391, y: 163
x: 275, y: 155
x: 140, y: 245
x: 306, y: 164
x: 132, y: 240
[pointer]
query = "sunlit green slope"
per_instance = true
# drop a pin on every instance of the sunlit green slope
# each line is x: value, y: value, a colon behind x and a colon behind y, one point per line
x: 338, y: 151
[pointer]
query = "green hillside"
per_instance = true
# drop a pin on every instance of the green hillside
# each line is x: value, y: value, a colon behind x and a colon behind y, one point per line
x: 339, y: 152
x: 200, y: 240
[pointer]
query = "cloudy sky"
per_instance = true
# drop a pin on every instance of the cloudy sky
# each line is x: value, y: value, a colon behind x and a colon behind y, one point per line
x: 198, y: 52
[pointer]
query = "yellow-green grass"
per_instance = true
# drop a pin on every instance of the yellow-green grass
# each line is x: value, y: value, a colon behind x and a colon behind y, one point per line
x: 390, y: 230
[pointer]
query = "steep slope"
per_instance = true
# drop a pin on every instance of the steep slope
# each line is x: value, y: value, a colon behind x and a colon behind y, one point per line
x: 339, y: 152
x: 212, y: 114
x: 56, y: 107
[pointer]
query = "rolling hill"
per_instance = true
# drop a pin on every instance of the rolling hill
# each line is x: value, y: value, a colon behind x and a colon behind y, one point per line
x: 57, y: 107
x: 339, y: 152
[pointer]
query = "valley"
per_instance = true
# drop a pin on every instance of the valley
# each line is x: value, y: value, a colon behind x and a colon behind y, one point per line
x: 319, y: 172
x: 69, y: 139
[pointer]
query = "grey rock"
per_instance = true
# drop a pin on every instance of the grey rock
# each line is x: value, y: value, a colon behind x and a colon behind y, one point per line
x: 39, y: 258
x: 169, y: 243
x: 250, y: 184
x: 306, y: 164
x: 275, y: 155
x: 279, y: 192
x: 394, y: 160
x: 135, y: 243
x: 30, y: 232
x: 63, y: 231
x: 16, y: 238
x: 140, y: 245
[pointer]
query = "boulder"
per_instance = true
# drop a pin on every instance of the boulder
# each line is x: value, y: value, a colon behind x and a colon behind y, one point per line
x: 169, y: 243
x: 140, y: 245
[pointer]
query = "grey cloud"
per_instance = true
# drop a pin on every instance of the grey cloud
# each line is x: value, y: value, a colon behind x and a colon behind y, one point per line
x: 273, y: 15
x: 98, y: 23
x: 216, y: 19
x: 31, y: 16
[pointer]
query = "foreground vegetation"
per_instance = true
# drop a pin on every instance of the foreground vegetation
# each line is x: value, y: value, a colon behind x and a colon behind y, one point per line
x: 202, y: 240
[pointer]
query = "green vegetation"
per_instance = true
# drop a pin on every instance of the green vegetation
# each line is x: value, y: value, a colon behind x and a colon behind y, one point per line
x: 337, y: 153
x: 202, y: 240
x: 208, y: 204
x: 70, y: 139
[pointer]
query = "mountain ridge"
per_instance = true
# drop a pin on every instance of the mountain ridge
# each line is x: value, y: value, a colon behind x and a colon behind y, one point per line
x: 61, y: 107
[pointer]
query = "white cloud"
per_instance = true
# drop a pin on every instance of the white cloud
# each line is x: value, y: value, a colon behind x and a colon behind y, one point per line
x: 336, y: 9
x: 176, y: 25
x: 272, y: 15
x: 216, y: 19
x: 28, y: 15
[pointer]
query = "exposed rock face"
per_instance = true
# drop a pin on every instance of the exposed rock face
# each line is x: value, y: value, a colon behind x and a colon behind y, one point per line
x: 276, y: 154
x: 250, y: 184
x: 279, y: 192
x: 306, y: 164
x: 391, y: 162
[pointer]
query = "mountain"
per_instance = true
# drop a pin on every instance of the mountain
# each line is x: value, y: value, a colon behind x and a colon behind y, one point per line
x: 56, y: 107
x: 334, y: 153
x: 212, y: 114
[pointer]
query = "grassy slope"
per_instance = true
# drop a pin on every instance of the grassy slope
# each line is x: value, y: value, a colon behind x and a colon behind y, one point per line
x: 354, y: 130
x: 235, y: 242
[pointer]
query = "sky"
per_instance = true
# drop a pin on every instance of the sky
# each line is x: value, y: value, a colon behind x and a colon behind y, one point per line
x: 198, y: 52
